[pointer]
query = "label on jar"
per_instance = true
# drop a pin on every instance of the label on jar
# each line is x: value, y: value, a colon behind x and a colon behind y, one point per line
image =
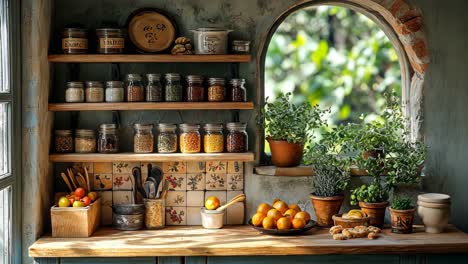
x: 74, y: 43
x: 112, y: 43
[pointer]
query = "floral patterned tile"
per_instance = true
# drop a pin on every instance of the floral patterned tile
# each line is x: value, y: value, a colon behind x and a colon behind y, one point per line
x: 79, y: 167
x: 175, y: 167
x: 196, y: 167
x: 235, y: 182
x: 216, y: 181
x: 102, y: 181
x: 196, y: 181
x: 103, y: 167
x: 106, y: 208
x: 176, y: 198
x: 196, y: 198
x: 123, y: 167
x: 122, y: 197
x: 122, y: 182
x: 193, y: 216
x: 216, y: 166
x: 176, y: 215
x: 177, y: 182
x: 235, y: 167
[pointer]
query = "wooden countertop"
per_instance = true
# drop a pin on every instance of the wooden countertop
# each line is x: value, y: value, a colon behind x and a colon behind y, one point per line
x: 241, y: 241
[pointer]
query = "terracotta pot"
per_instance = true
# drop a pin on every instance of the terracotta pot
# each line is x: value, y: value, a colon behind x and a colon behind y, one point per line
x: 375, y: 153
x: 402, y: 220
x: 325, y: 208
x: 376, y: 212
x: 284, y: 154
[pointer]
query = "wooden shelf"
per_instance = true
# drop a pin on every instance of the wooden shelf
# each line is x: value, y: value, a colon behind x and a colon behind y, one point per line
x: 299, y: 171
x: 150, y: 157
x: 151, y: 106
x: 116, y: 58
x: 242, y: 241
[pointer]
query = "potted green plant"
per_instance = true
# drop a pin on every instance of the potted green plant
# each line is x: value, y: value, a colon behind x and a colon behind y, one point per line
x: 402, y: 215
x: 287, y: 127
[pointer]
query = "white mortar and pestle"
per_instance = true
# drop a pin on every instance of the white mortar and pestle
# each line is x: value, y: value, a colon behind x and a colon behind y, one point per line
x: 214, y: 219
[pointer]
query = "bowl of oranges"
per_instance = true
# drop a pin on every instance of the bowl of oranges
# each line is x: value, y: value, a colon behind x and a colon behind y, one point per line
x: 281, y: 219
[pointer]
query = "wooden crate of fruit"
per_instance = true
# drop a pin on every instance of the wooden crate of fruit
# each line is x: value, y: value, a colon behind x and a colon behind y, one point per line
x: 68, y: 222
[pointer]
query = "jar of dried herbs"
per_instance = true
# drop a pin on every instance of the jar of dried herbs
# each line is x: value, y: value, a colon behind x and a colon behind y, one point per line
x: 74, y: 40
x: 110, y: 40
x: 190, y: 139
x: 238, y: 92
x: 237, y: 138
x: 143, y: 139
x: 85, y: 141
x: 114, y: 91
x: 135, y: 90
x: 195, y: 90
x: 216, y: 91
x: 94, y: 92
x: 167, y: 138
x: 154, y: 89
x: 74, y: 92
x: 213, y: 140
x: 173, y: 89
x: 63, y: 141
x: 108, y: 140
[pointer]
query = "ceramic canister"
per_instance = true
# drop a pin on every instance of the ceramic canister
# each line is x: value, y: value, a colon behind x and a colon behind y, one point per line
x: 434, y: 210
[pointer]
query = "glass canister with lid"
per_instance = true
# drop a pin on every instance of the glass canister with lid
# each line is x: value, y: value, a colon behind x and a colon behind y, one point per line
x: 195, y: 90
x: 135, y: 90
x: 154, y: 89
x: 173, y: 89
x: 85, y: 141
x: 74, y: 40
x: 237, y: 138
x: 74, y: 92
x: 241, y: 46
x: 238, y: 92
x: 143, y: 139
x: 167, y: 138
x: 216, y: 90
x: 108, y: 140
x: 94, y: 92
x: 110, y: 40
x: 190, y: 139
x: 114, y: 91
x: 63, y: 141
x: 213, y: 140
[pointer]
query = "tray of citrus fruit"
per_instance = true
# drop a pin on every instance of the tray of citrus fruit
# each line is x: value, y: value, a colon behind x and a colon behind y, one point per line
x: 281, y: 219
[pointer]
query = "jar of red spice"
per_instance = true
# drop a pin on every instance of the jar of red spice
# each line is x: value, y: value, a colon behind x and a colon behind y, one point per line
x: 238, y: 92
x: 237, y: 138
x: 195, y: 90
x: 135, y: 90
x: 189, y: 139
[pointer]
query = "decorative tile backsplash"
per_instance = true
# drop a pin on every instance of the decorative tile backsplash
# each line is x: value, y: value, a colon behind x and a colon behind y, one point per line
x: 190, y: 183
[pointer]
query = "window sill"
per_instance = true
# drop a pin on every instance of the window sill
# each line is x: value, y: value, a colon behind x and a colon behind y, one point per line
x: 299, y: 171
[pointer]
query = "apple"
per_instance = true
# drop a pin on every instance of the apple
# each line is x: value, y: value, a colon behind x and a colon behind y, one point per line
x: 79, y: 193
x: 93, y: 196
x: 63, y: 202
x: 86, y: 200
x: 78, y: 204
x: 71, y: 199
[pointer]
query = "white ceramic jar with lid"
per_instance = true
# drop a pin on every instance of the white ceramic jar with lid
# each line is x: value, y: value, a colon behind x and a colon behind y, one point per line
x: 211, y: 40
x: 434, y: 210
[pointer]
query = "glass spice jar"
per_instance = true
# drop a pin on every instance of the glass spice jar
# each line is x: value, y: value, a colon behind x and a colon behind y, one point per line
x: 108, y: 140
x: 167, y: 138
x: 85, y: 141
x: 94, y: 92
x: 237, y: 138
x: 238, y: 92
x: 216, y: 90
x: 190, y: 139
x: 110, y: 40
x: 135, y: 90
x: 74, y: 40
x: 173, y: 89
x: 114, y: 91
x: 63, y: 141
x: 195, y: 90
x: 213, y: 140
x: 154, y: 89
x: 143, y: 139
x: 74, y: 92
x: 241, y: 47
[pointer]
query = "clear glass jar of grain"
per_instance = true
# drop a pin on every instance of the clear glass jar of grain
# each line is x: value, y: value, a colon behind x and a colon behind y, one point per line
x: 167, y: 138
x: 135, y: 90
x: 63, y: 141
x: 94, y: 92
x: 114, y: 91
x: 195, y: 90
x: 85, y: 141
x: 74, y: 92
x: 190, y: 139
x: 108, y: 140
x: 143, y: 139
x: 173, y: 89
x: 216, y: 90
x: 154, y: 89
x: 213, y: 140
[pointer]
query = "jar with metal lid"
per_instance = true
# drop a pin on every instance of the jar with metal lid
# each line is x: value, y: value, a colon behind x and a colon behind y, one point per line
x: 74, y: 40
x: 108, y: 140
x: 114, y: 91
x: 63, y: 141
x: 213, y: 140
x: 135, y: 90
x: 85, y: 141
x: 190, y: 139
x: 94, y: 92
x: 216, y: 90
x: 154, y: 89
x: 237, y: 138
x: 173, y: 89
x: 143, y: 139
x: 241, y: 47
x: 238, y: 92
x: 167, y: 138
x: 195, y: 90
x: 110, y: 40
x: 74, y: 92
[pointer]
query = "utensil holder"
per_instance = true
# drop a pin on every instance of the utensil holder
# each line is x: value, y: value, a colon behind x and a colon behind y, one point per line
x: 155, y: 217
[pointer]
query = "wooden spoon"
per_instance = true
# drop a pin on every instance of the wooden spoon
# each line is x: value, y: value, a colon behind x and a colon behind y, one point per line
x: 238, y: 198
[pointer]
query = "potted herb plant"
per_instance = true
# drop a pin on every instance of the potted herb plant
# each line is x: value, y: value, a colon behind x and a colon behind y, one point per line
x: 402, y: 215
x: 287, y: 126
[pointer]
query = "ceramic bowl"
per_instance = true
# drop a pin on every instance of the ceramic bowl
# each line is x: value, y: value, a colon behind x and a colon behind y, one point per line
x: 212, y: 219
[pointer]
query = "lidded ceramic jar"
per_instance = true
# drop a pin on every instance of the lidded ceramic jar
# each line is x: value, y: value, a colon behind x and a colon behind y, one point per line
x: 434, y: 210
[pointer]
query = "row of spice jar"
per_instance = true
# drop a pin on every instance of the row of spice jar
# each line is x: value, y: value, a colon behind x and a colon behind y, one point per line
x: 109, y: 40
x: 154, y: 91
x: 189, y: 139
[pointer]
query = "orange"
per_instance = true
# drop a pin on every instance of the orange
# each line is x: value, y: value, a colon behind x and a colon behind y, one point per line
x: 295, y: 207
x: 281, y: 206
x: 290, y: 212
x: 274, y: 214
x: 283, y: 223
x: 268, y: 223
x: 298, y: 223
x: 257, y: 219
x: 263, y: 208
x: 275, y: 200
x: 303, y: 215
x: 212, y: 203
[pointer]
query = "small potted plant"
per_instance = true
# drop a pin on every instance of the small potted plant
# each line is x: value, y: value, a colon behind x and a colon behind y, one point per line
x: 287, y: 126
x: 402, y: 215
